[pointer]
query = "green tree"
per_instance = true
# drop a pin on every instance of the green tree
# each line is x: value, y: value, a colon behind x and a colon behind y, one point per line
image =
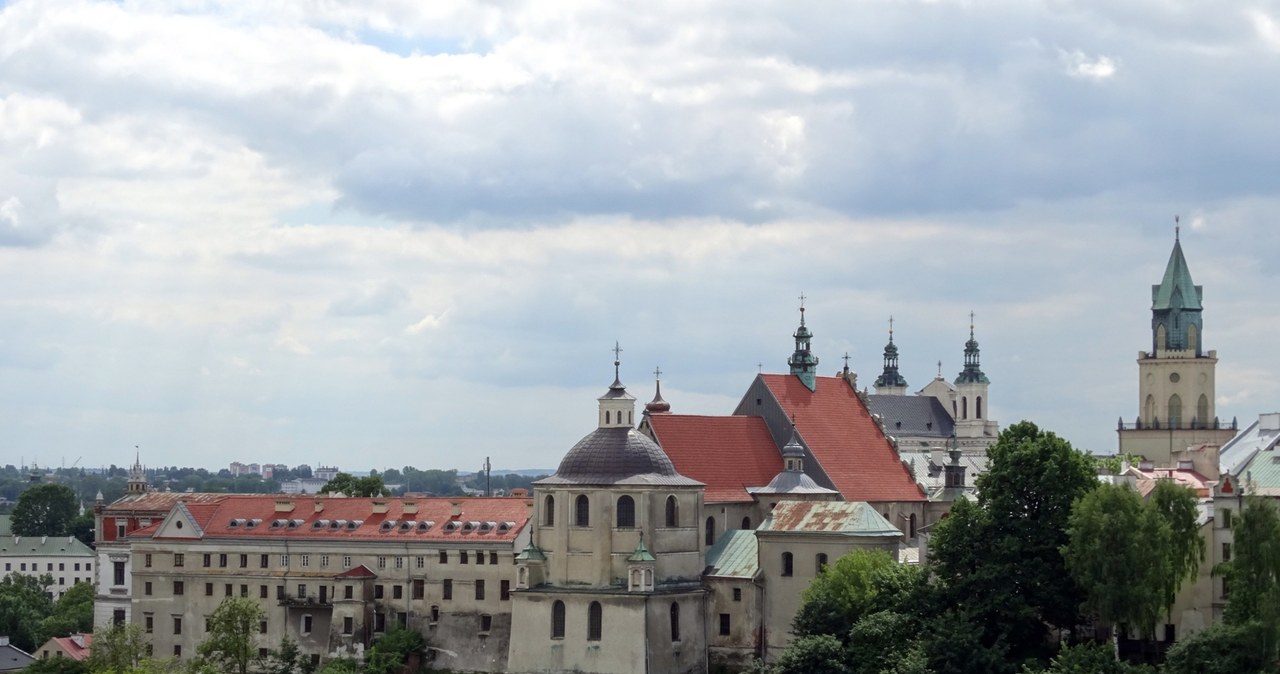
x: 288, y: 659
x: 118, y: 649
x: 1222, y: 649
x: 56, y: 665
x: 1178, y: 508
x: 1254, y: 569
x: 23, y: 605
x: 71, y: 614
x: 879, y: 641
x: 841, y: 594
x: 233, y: 627
x: 355, y: 486
x: 393, y: 650
x: 815, y: 654
x: 44, y: 510
x: 1089, y: 659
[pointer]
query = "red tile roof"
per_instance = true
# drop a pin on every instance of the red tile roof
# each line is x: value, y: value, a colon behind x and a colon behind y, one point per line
x: 838, y: 429
x: 251, y: 516
x: 728, y: 454
x: 76, y: 647
x: 159, y: 501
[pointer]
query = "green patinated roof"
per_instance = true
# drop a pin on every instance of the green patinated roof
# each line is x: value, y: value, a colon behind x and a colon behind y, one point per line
x: 4, y: 526
x: 641, y: 554
x: 845, y: 518
x: 1176, y: 281
x: 531, y: 553
x: 736, y: 555
x: 43, y: 546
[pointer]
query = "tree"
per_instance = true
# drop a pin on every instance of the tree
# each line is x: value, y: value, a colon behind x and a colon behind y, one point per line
x: 1178, y: 507
x: 288, y: 659
x: 393, y: 650
x: 1254, y: 569
x: 118, y: 649
x: 1222, y: 649
x: 355, y: 486
x: 816, y: 654
x: 23, y: 605
x: 878, y: 641
x: 1090, y: 659
x: 57, y: 666
x: 841, y: 594
x: 231, y: 642
x: 71, y: 614
x: 44, y: 510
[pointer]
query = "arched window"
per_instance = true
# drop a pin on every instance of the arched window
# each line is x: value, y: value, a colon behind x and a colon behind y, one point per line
x: 1175, y: 411
x: 711, y: 531
x: 582, y: 509
x: 977, y: 407
x: 746, y: 523
x: 964, y: 408
x: 675, y: 621
x: 557, y: 620
x: 787, y: 564
x: 911, y: 526
x: 820, y: 562
x: 595, y: 621
x: 1202, y: 411
x: 1192, y: 337
x: 606, y: 417
x: 549, y: 511
x: 626, y: 512
x: 1149, y: 408
x: 673, y: 511
x: 1161, y: 343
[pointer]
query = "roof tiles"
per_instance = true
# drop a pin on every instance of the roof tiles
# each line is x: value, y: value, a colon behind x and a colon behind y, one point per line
x: 728, y: 454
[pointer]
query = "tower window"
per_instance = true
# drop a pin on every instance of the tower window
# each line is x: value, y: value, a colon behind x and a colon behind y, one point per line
x: 582, y: 506
x: 626, y: 512
x: 711, y: 531
x: 675, y: 621
x: 746, y: 523
x: 964, y: 408
x: 673, y: 511
x: 787, y: 564
x: 820, y: 562
x: 1202, y: 411
x: 549, y: 511
x: 557, y: 620
x: 595, y: 621
x: 1175, y: 411
x: 606, y: 416
x: 977, y: 407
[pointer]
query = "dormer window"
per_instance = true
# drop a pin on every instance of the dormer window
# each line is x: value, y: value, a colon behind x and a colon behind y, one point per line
x: 424, y: 526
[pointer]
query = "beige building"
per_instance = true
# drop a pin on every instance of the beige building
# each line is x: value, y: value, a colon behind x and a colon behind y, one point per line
x: 64, y: 559
x: 1176, y: 378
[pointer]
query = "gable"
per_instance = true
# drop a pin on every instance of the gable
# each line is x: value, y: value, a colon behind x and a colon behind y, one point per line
x: 179, y: 523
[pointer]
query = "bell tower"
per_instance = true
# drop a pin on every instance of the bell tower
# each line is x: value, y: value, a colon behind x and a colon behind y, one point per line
x: 1176, y: 386
x: 890, y: 381
x: 802, y: 361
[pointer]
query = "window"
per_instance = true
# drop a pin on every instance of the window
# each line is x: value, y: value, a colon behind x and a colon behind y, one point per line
x: 177, y: 624
x: 504, y: 590
x: 382, y: 562
x: 626, y: 512
x: 208, y: 589
x: 264, y: 561
x: 911, y: 526
x: 786, y: 564
x: 284, y: 560
x: 347, y: 592
x: 399, y: 562
x: 302, y: 590
x: 673, y: 511
x: 724, y: 624
x: 1226, y: 552
x: 244, y: 590
x: 227, y: 590
x: 964, y: 408
x: 737, y: 594
x: 346, y: 561
x: 420, y: 562
x: 279, y: 592
x: 262, y: 626
x: 462, y: 557
x: 177, y: 650
x: 1226, y: 519
x: 306, y: 624
x: 397, y: 592
x: 1202, y: 411
x: 262, y: 592
x: 557, y: 620
x: 117, y: 617
x: 493, y: 558
x: 263, y: 652
x: 146, y: 560
x: 324, y: 561
x: 479, y: 590
x: 675, y: 621
x: 446, y: 589
x: 179, y: 587
x: 304, y: 560
x: 977, y: 407
x: 146, y: 588
x: 582, y: 511
x: 118, y: 575
x: 480, y: 557
x: 710, y: 531
x: 746, y: 524
x: 419, y: 589
x: 435, y: 614
x: 178, y: 560
x: 120, y: 531
x: 486, y: 622
x: 1175, y: 411
x: 820, y: 562
x: 549, y: 511
x: 244, y: 561
x: 348, y: 625
x: 222, y: 560
x: 379, y: 622
x: 444, y: 557
x: 595, y: 621
x: 208, y: 560
x: 148, y: 624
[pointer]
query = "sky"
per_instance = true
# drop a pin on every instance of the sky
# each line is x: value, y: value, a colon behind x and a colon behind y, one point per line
x: 395, y: 233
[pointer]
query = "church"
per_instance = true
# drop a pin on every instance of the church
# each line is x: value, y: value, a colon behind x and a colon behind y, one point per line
x: 684, y: 542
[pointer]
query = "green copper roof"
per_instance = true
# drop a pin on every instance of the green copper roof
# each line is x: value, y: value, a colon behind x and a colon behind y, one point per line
x: 531, y: 553
x: 641, y: 554
x: 734, y: 555
x: 1176, y: 289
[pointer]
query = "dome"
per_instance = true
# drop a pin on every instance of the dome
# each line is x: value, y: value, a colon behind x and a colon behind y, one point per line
x: 610, y: 454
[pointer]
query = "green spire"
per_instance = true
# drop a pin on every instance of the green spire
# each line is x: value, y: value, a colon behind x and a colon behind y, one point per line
x: 642, y: 553
x: 1176, y: 289
x: 972, y: 372
x: 1176, y: 322
x: 531, y: 553
x: 803, y: 363
x: 890, y: 376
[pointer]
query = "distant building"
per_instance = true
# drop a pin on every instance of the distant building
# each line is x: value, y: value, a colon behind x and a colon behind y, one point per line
x: 325, y: 473
x: 63, y: 558
x: 12, y: 658
x: 75, y: 647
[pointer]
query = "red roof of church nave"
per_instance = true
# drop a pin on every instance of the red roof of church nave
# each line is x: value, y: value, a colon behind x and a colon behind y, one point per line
x: 728, y: 454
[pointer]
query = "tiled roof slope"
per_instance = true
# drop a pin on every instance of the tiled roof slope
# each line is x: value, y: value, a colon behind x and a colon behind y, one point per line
x: 829, y: 517
x: 160, y: 501
x: 728, y: 454
x: 43, y: 546
x: 838, y: 429
x: 912, y: 415
x: 76, y: 647
x: 735, y: 555
x: 252, y: 516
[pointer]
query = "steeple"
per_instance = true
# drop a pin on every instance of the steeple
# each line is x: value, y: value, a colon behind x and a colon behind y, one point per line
x: 972, y: 372
x: 657, y: 405
x: 803, y: 363
x: 617, y: 407
x: 1176, y: 322
x: 890, y: 381
x: 137, y: 477
x: 793, y: 453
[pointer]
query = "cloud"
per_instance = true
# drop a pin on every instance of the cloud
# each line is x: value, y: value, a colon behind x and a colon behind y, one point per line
x: 1082, y: 66
x: 372, y: 297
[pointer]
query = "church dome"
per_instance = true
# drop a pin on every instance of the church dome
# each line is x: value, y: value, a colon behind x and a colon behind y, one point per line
x: 609, y: 454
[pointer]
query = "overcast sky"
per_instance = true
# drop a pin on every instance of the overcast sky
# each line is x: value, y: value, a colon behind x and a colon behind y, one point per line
x: 386, y: 233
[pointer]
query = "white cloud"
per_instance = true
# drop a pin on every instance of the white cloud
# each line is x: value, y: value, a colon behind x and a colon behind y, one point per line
x: 1083, y: 66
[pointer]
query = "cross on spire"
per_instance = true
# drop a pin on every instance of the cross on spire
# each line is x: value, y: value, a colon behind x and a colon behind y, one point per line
x: 939, y: 369
x: 657, y: 372
x: 802, y: 298
x: 617, y: 360
x: 1177, y: 228
x: 891, y: 327
x: 971, y: 324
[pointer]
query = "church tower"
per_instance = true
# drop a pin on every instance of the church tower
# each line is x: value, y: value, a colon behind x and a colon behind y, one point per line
x: 803, y: 363
x: 971, y: 392
x: 890, y: 382
x: 1176, y: 377
x: 137, y: 477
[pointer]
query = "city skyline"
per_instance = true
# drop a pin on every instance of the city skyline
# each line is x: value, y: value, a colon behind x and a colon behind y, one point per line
x: 400, y: 235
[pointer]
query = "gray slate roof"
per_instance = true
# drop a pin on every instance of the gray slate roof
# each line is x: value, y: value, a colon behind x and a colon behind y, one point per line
x: 912, y: 415
x: 43, y: 546
x: 609, y: 456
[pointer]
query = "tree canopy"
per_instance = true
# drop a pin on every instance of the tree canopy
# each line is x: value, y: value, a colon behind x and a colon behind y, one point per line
x: 233, y: 629
x: 356, y: 486
x: 44, y: 510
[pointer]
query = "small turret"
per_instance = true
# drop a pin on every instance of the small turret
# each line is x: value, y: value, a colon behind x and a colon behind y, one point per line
x: 802, y: 361
x: 890, y: 381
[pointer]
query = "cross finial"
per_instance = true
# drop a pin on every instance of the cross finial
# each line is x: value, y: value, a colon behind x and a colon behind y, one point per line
x: 657, y: 373
x: 617, y: 359
x: 760, y: 368
x: 971, y: 325
x: 891, y: 328
x: 802, y: 308
x: 1177, y: 228
x: 939, y: 369
x: 846, y: 362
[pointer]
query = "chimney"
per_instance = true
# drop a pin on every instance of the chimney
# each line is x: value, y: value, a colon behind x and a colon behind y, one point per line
x: 379, y: 507
x: 284, y: 505
x: 519, y: 492
x: 409, y: 507
x: 455, y: 508
x: 319, y: 504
